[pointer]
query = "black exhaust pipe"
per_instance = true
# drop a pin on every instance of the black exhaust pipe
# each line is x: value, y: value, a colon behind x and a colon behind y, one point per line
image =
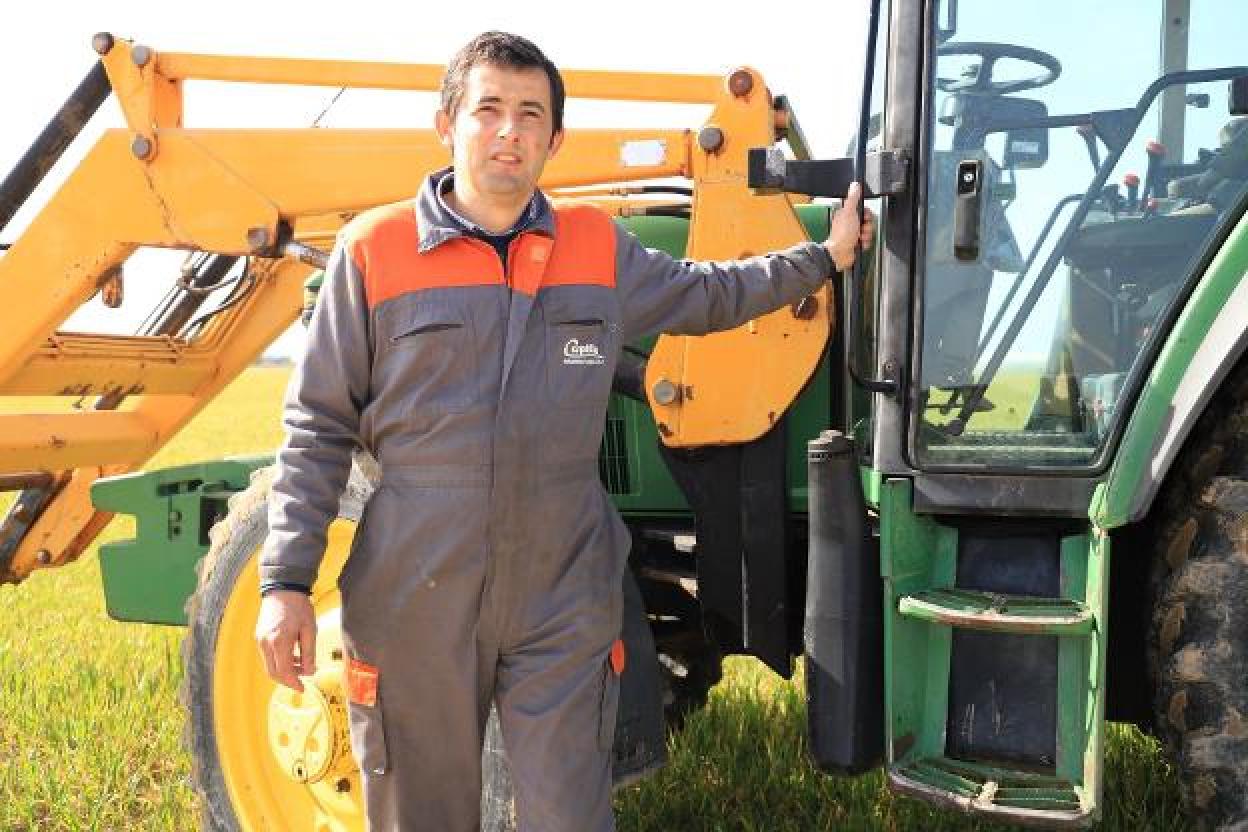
x: 844, y: 628
x: 62, y: 129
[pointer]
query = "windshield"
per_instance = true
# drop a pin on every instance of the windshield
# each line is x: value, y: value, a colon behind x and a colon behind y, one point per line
x: 1063, y: 220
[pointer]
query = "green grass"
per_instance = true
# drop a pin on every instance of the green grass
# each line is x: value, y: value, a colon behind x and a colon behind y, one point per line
x: 741, y: 765
x: 90, y: 726
x: 1012, y: 394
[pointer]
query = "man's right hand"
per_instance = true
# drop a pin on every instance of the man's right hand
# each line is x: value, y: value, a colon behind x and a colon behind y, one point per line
x: 286, y: 622
x: 846, y: 234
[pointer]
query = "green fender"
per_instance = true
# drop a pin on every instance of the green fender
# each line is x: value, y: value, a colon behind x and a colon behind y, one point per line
x: 1207, y: 340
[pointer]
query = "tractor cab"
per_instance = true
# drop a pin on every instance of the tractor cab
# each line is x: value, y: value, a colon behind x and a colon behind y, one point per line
x: 1071, y: 187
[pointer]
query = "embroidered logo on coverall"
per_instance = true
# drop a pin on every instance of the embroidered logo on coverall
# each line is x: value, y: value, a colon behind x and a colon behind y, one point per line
x: 574, y: 352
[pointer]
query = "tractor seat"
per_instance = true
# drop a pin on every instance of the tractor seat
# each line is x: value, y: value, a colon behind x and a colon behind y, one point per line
x: 1220, y: 185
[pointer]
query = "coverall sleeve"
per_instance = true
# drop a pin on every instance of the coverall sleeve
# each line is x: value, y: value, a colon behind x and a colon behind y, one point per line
x: 327, y: 392
x: 659, y: 293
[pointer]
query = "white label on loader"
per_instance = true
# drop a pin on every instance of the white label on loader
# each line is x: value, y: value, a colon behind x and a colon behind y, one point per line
x: 643, y: 153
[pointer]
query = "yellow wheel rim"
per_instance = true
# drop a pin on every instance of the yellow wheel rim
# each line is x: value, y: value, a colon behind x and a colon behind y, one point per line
x: 284, y: 756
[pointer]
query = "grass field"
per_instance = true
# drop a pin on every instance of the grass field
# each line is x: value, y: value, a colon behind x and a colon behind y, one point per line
x: 90, y: 727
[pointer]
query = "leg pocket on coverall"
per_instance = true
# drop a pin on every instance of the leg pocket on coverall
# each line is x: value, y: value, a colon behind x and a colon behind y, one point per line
x: 368, y: 739
x: 608, y: 707
x: 368, y: 735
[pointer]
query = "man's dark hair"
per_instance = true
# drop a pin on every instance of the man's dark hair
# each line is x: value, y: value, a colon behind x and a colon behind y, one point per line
x: 500, y: 49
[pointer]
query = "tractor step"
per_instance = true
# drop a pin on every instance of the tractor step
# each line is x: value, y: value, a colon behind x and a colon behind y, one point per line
x: 1006, y: 794
x: 1021, y: 614
x: 995, y: 632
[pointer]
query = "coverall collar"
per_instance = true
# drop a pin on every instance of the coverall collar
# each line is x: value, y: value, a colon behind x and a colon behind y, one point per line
x: 437, y: 223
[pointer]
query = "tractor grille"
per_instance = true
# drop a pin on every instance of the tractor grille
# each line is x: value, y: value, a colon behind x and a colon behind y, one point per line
x: 613, y: 468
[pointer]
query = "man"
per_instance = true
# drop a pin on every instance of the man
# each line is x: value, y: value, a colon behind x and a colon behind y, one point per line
x: 488, y: 563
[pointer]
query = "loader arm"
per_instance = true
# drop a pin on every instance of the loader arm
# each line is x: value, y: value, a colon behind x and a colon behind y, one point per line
x: 252, y: 192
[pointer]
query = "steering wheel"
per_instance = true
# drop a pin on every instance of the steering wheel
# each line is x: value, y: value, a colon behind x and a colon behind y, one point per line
x: 979, y: 79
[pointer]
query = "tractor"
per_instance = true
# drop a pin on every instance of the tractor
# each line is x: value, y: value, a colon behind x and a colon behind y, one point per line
x: 942, y: 482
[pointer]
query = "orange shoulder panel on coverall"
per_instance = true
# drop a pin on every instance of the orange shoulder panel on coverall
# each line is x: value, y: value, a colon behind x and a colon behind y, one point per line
x: 488, y: 563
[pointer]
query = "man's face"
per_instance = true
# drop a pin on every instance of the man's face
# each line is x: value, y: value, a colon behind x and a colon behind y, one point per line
x: 503, y: 132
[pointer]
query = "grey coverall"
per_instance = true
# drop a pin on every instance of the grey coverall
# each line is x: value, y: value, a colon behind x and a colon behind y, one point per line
x: 488, y: 563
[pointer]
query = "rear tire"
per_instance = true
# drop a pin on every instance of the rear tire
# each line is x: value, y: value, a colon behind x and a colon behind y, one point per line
x: 1198, y: 639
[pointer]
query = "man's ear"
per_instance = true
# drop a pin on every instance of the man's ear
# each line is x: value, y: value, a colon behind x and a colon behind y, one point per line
x: 556, y: 141
x: 442, y: 126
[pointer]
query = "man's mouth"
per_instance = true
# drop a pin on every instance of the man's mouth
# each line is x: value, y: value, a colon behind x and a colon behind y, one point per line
x: 506, y: 158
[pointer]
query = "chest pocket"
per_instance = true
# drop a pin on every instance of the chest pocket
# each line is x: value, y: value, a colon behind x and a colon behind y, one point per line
x: 581, y: 338
x: 430, y: 358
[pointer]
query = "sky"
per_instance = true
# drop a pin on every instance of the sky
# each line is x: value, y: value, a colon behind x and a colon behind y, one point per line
x: 811, y: 51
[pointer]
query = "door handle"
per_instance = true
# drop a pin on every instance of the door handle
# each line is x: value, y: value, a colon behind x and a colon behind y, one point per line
x: 967, y: 206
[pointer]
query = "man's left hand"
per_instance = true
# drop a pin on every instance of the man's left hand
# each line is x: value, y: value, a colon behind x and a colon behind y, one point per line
x: 847, y: 233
